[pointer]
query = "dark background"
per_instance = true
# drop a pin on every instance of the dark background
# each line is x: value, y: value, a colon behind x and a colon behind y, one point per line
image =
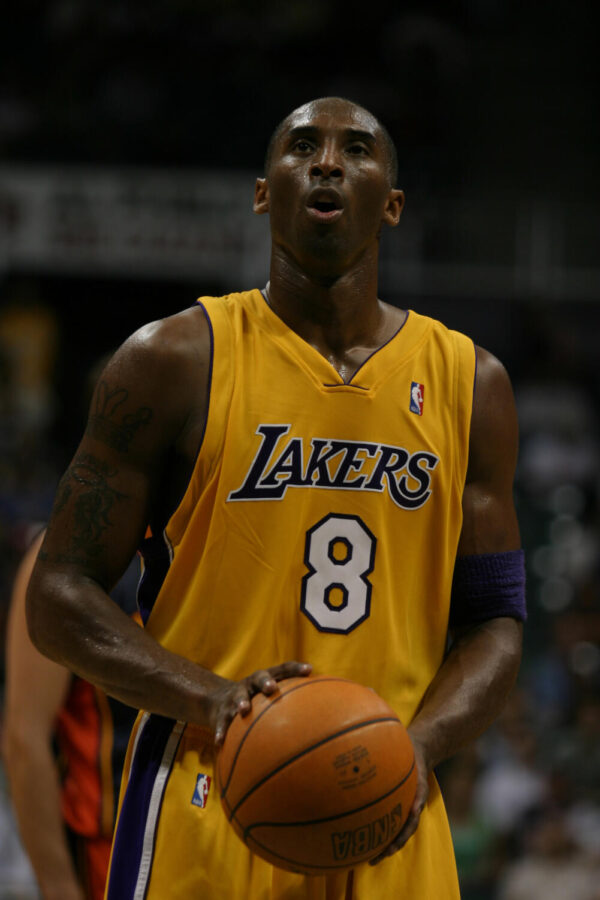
x: 480, y: 91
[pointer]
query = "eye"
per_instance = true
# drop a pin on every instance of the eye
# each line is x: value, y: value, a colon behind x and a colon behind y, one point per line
x: 357, y: 150
x: 302, y: 146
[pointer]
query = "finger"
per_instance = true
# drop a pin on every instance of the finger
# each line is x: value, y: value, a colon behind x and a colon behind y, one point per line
x: 410, y: 826
x: 220, y: 734
x: 221, y: 726
x: 262, y: 682
x: 242, y: 700
x: 290, y: 669
x: 407, y: 831
x: 243, y: 706
x: 238, y: 703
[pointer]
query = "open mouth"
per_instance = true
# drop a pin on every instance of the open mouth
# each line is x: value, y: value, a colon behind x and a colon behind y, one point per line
x: 325, y: 207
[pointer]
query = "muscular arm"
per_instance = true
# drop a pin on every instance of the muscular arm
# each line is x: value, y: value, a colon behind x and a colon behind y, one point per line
x: 145, y: 421
x: 35, y: 691
x: 478, y: 673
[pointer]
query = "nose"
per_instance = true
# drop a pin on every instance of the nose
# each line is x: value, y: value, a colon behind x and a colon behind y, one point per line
x: 327, y: 163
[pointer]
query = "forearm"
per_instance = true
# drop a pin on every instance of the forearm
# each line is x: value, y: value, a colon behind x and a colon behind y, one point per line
x: 470, y: 689
x: 75, y: 623
x: 35, y: 794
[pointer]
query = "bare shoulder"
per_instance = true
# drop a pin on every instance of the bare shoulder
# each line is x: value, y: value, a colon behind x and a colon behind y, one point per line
x: 494, y: 428
x: 174, y: 341
x: 491, y: 376
x: 160, y: 367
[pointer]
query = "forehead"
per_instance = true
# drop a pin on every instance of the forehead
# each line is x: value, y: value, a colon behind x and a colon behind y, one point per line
x: 332, y: 115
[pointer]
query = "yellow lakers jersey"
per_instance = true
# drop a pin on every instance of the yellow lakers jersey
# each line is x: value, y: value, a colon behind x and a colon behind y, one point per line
x: 321, y: 523
x: 322, y: 518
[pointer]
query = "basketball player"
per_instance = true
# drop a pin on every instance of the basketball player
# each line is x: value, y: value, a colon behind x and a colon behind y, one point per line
x: 63, y: 744
x: 304, y: 502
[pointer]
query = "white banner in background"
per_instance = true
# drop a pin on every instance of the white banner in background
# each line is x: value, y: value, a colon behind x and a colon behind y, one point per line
x: 132, y: 222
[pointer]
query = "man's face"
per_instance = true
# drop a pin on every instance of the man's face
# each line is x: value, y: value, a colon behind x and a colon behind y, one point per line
x: 327, y: 190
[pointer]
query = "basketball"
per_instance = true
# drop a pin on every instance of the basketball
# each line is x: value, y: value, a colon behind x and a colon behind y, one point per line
x: 318, y: 777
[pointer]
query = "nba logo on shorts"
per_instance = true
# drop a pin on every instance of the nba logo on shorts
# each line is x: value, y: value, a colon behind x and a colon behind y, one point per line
x: 201, y: 791
x: 417, y: 392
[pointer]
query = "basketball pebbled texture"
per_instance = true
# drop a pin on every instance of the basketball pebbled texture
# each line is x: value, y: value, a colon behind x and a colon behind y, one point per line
x: 318, y: 777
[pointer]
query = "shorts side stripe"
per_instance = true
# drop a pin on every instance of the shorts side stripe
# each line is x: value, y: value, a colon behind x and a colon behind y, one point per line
x: 157, y: 740
x: 154, y: 810
x: 142, y: 724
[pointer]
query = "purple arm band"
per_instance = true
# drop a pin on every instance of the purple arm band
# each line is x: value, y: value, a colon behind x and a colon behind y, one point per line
x: 487, y: 586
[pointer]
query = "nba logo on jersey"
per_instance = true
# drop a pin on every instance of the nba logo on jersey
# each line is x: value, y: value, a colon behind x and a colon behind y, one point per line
x: 417, y: 392
x: 201, y: 791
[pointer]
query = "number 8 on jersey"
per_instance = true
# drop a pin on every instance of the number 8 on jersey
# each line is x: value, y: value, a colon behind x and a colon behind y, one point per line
x: 339, y: 555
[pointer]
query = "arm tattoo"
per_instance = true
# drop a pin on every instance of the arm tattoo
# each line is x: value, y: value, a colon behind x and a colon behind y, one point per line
x: 109, y: 424
x: 85, y: 496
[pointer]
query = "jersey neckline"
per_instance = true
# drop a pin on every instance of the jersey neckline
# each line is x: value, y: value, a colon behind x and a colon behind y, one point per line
x: 326, y: 374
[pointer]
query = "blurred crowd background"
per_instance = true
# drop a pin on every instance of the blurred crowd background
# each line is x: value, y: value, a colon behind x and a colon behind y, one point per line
x: 130, y: 137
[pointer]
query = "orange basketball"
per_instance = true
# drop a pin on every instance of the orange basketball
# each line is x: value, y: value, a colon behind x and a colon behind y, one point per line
x: 318, y: 777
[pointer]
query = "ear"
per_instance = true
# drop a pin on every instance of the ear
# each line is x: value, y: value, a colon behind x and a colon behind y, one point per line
x: 261, y: 197
x: 393, y: 208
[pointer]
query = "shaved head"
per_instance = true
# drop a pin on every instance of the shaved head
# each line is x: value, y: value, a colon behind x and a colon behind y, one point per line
x: 343, y: 104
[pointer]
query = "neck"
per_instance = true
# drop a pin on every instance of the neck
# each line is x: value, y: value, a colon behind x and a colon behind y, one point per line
x: 332, y: 311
